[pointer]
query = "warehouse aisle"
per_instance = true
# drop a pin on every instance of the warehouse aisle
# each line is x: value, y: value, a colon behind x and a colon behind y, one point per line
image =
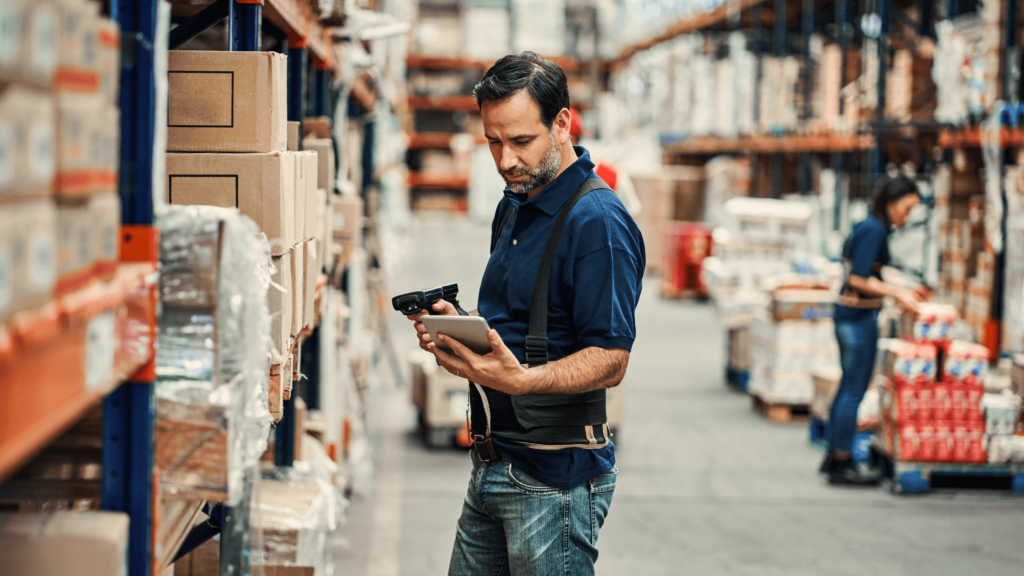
x: 705, y: 485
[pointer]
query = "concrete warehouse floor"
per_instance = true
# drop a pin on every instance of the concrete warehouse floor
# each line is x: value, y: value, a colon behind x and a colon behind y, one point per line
x: 706, y: 486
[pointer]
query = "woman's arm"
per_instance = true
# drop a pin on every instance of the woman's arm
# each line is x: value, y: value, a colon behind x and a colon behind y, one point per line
x: 872, y: 286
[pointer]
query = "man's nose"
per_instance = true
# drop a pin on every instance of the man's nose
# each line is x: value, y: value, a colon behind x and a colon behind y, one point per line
x: 508, y: 160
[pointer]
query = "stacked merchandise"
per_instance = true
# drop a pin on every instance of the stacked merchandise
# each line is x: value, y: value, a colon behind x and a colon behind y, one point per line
x: 966, y: 65
x: 228, y: 146
x: 934, y: 406
x: 59, y: 134
x: 1013, y: 289
x: 672, y: 194
x: 486, y: 29
x: 86, y: 543
x: 539, y: 26
x: 213, y: 343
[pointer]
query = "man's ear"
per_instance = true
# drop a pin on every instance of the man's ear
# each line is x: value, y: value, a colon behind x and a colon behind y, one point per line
x: 562, y: 124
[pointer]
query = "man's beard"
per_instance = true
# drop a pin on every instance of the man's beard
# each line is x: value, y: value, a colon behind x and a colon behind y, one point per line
x: 536, y: 177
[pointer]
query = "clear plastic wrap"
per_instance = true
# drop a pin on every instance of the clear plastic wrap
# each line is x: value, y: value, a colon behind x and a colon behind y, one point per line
x: 213, y: 342
x: 297, y: 513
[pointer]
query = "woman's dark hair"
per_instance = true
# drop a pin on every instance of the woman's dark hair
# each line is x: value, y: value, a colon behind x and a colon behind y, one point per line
x: 889, y: 191
x: 542, y: 79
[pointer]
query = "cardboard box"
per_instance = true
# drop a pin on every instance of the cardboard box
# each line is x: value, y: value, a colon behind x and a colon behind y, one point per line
x: 323, y: 229
x: 324, y: 149
x: 28, y: 48
x: 309, y: 283
x: 348, y: 225
x: 88, y: 145
x: 279, y: 300
x: 312, y: 226
x: 186, y: 283
x: 28, y: 259
x: 105, y: 218
x: 27, y: 143
x: 192, y: 448
x: 261, y: 186
x: 227, y: 102
x: 317, y: 127
x: 802, y: 304
x: 826, y: 384
x: 78, y: 54
x: 76, y: 244
x: 108, y: 44
x: 278, y: 503
x: 303, y: 178
x: 298, y: 256
x: 293, y: 136
x: 59, y: 543
x: 204, y: 560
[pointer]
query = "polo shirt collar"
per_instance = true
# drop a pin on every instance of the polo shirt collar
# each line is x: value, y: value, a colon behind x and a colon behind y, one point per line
x: 559, y: 190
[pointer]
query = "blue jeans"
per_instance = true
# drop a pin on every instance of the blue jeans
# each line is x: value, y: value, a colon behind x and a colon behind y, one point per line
x: 514, y: 525
x: 858, y: 346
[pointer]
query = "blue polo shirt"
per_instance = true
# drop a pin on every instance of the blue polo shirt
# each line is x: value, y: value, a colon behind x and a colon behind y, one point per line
x: 866, y: 251
x: 597, y: 278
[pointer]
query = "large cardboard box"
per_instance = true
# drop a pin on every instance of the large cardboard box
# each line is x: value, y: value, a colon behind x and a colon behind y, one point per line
x: 324, y: 149
x: 802, y: 304
x: 298, y: 262
x: 323, y: 236
x: 28, y: 260
x: 76, y: 245
x: 279, y: 300
x: 88, y: 144
x: 311, y: 273
x: 78, y: 54
x: 312, y: 225
x: 105, y: 219
x: 108, y: 46
x: 28, y: 46
x: 261, y: 186
x: 293, y: 136
x: 227, y: 102
x: 27, y: 147
x: 348, y: 225
x: 302, y: 180
x: 60, y: 543
x: 317, y: 127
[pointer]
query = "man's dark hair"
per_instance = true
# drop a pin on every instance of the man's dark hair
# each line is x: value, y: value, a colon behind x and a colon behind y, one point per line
x: 543, y: 79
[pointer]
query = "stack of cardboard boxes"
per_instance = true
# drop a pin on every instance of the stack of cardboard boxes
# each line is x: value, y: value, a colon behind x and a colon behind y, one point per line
x: 228, y: 145
x: 59, y: 144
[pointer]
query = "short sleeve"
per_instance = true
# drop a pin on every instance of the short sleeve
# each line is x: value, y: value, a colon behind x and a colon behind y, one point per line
x: 866, y: 248
x: 607, y: 284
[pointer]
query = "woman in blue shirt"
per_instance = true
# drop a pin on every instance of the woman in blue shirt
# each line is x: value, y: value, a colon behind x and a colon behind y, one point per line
x: 856, y: 318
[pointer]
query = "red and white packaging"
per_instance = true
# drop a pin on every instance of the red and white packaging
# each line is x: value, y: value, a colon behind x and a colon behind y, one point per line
x: 958, y: 400
x: 942, y: 402
x: 909, y: 443
x: 907, y: 396
x: 926, y: 447
x: 961, y: 442
x: 976, y: 453
x: 943, y: 441
x: 974, y: 393
x: 914, y: 363
x: 966, y: 362
x: 934, y: 321
x: 925, y: 404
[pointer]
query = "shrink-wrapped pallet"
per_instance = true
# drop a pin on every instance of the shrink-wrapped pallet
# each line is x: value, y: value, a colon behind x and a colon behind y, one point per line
x: 213, y: 342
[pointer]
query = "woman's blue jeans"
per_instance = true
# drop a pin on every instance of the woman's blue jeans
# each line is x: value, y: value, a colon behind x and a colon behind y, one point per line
x: 858, y: 346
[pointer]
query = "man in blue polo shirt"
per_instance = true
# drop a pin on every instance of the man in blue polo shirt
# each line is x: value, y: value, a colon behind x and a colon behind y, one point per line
x: 543, y: 462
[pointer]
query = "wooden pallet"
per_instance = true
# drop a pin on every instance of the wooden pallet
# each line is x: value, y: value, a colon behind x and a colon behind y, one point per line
x: 916, y: 477
x: 779, y: 412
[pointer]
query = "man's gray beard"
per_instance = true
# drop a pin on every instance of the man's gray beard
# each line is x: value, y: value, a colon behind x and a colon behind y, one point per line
x: 539, y: 176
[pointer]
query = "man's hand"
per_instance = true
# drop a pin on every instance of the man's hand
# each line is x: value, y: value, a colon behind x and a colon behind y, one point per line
x: 499, y: 369
x: 444, y: 307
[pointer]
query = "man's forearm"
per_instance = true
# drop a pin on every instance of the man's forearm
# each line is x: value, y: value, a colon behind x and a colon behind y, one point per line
x: 587, y: 370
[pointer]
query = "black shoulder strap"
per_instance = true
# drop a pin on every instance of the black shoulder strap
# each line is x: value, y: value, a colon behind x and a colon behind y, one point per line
x: 496, y: 232
x: 537, y: 337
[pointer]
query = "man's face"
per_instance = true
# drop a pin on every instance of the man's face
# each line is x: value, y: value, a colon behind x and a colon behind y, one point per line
x: 525, y: 151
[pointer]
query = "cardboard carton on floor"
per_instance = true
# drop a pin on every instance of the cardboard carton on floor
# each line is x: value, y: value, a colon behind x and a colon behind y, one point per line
x: 27, y: 143
x: 261, y: 186
x: 226, y: 102
x: 28, y: 50
x: 279, y: 299
x: 28, y: 259
x: 59, y: 543
x: 88, y: 140
x: 324, y: 149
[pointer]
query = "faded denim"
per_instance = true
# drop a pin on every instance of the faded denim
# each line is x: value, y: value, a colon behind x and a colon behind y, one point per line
x: 858, y: 346
x: 514, y: 525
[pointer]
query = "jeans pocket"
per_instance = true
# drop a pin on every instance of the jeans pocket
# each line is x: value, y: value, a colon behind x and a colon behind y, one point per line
x: 601, y: 490
x: 528, y: 484
x: 605, y: 482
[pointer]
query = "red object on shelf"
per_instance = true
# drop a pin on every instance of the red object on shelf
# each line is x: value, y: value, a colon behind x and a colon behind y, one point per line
x: 925, y: 404
x: 976, y: 453
x: 961, y: 442
x: 686, y: 247
x: 909, y: 443
x: 944, y: 442
x: 926, y: 448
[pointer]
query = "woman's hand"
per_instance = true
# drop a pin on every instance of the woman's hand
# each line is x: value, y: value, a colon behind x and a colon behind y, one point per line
x: 908, y: 299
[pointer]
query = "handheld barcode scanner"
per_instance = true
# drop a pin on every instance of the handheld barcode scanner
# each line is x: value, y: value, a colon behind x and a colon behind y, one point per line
x: 415, y: 302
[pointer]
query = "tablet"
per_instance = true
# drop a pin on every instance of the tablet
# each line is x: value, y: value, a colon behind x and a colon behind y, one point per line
x: 471, y: 331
